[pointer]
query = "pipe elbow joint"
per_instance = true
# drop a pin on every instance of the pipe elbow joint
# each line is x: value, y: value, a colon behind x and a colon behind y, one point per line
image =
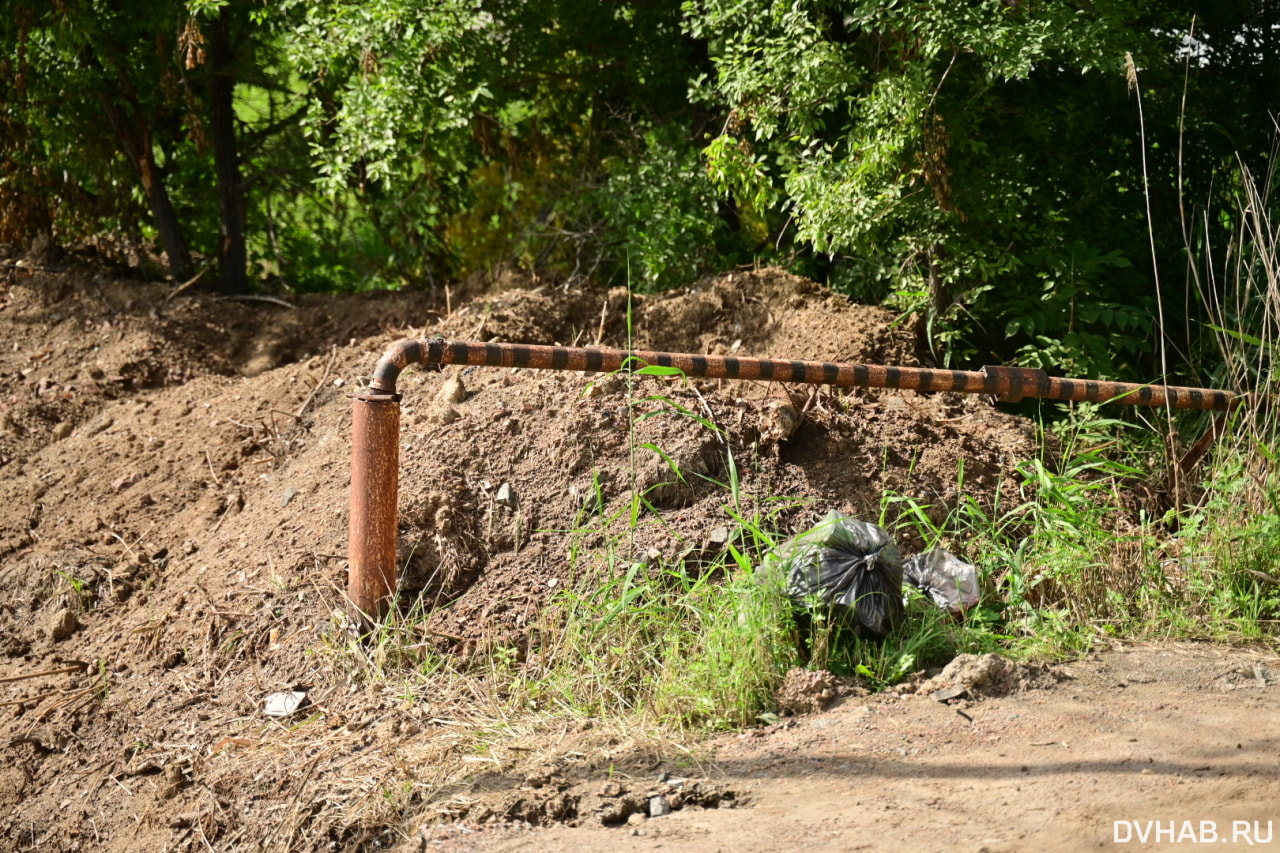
x: 397, y: 358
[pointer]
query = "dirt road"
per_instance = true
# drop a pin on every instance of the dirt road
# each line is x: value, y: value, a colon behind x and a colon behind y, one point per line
x: 1175, y: 744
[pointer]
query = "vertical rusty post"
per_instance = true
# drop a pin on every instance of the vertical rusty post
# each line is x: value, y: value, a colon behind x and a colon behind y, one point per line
x: 375, y: 472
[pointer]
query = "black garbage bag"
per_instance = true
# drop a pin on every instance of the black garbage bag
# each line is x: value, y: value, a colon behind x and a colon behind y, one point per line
x: 851, y: 567
x: 950, y: 582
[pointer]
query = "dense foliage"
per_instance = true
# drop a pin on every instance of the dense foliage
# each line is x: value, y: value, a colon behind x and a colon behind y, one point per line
x: 1029, y: 176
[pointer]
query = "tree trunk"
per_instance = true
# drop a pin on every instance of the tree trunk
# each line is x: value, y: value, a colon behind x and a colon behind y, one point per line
x: 232, y: 278
x: 135, y: 139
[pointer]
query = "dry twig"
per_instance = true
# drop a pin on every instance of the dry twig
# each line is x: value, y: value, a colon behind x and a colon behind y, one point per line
x: 333, y: 356
x: 79, y: 667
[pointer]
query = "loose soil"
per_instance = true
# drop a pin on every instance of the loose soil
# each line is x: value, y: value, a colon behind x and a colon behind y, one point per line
x: 173, y: 519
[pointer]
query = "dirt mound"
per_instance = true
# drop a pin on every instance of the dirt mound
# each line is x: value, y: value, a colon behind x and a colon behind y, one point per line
x: 175, y: 476
x: 772, y: 313
x: 990, y: 675
x: 807, y: 691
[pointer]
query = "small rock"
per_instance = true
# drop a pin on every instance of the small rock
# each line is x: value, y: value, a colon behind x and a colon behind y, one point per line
x: 452, y: 391
x: 506, y: 496
x: 122, y: 483
x: 949, y: 693
x: 717, y: 539
x: 289, y: 494
x: 636, y: 819
x: 61, y: 431
x: 659, y: 806
x: 611, y: 384
x: 63, y: 624
x: 445, y: 415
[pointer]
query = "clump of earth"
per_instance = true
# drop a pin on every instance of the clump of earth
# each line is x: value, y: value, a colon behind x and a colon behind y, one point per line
x: 807, y: 691
x: 993, y: 675
x: 174, y: 474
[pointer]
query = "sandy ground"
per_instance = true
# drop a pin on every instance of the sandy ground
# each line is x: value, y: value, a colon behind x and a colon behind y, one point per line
x: 1177, y: 744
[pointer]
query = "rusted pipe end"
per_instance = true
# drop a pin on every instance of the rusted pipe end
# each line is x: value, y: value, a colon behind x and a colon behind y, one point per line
x: 375, y: 472
x: 375, y: 483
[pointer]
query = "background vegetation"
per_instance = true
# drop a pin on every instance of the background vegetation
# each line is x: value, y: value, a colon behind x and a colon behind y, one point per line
x: 1030, y: 176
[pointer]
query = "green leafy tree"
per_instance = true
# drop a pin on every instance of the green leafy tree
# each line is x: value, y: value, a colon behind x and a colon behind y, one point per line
x: 901, y: 135
x: 70, y: 68
x: 982, y: 161
x: 167, y: 79
x: 549, y: 133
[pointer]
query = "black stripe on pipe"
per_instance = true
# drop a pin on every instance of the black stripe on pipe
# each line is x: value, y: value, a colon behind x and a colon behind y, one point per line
x: 521, y: 355
x: 892, y: 377
x: 559, y: 358
x: 493, y: 355
x: 926, y: 380
x: 413, y: 353
x: 732, y: 367
x: 861, y: 376
x: 766, y: 368
x: 1197, y: 398
x: 798, y: 373
x: 433, y: 352
x: 457, y: 354
x: 595, y: 360
x: 830, y: 373
x: 699, y: 366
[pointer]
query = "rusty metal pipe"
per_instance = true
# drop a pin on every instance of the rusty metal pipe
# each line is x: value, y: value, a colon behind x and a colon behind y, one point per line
x: 1008, y: 383
x: 375, y: 482
x: 375, y: 421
